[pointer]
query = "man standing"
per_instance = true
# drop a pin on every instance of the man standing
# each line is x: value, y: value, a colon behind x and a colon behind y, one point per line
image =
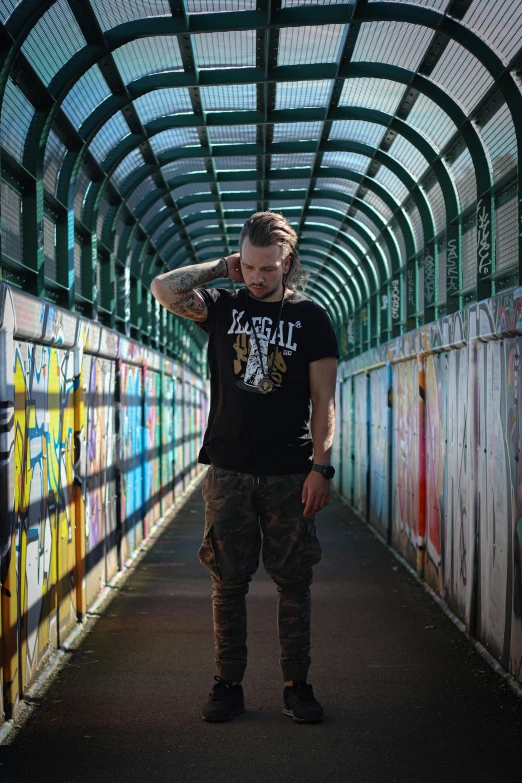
x: 272, y: 352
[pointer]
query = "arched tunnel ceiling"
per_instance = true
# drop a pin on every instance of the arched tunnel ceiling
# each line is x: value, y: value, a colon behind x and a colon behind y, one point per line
x: 139, y: 135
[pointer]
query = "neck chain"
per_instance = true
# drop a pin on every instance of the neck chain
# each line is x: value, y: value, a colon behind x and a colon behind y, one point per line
x: 265, y: 384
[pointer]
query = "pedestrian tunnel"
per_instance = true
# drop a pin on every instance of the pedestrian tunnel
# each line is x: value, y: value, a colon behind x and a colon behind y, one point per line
x: 138, y: 137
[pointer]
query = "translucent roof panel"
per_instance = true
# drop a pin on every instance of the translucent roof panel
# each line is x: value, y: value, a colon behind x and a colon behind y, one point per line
x: 299, y: 160
x: 181, y: 167
x: 288, y: 184
x: 427, y: 117
x: 17, y: 114
x: 229, y: 97
x: 394, y: 43
x: 233, y: 134
x: 297, y: 131
x: 473, y: 79
x: 300, y: 95
x: 128, y: 165
x: 392, y: 183
x: 310, y: 45
x: 334, y: 183
x: 499, y: 135
x: 330, y: 203
x: 53, y: 40
x: 112, y: 14
x: 88, y: 92
x: 438, y: 206
x: 243, y: 162
x: 463, y: 172
x: 6, y: 9
x: 279, y: 203
x: 378, y: 204
x: 499, y: 23
x: 227, y: 49
x: 238, y: 187
x: 346, y: 160
x: 353, y: 130
x: 435, y: 5
x: 293, y: 3
x: 365, y: 93
x: 215, y: 6
x: 148, y: 55
x: 410, y: 157
x: 146, y: 187
x: 173, y: 138
x: 108, y: 137
x: 191, y: 189
x: 161, y: 103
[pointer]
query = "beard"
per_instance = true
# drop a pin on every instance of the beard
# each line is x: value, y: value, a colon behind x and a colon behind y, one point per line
x: 265, y: 293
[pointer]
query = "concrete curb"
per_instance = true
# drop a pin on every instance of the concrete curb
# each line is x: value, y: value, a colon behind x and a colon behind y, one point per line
x: 103, y: 600
x: 479, y: 647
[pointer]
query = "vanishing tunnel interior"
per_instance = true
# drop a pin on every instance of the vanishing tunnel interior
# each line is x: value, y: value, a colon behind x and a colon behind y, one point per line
x: 138, y: 136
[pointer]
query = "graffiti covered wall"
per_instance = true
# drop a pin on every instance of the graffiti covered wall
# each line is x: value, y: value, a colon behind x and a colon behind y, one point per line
x: 88, y: 465
x: 456, y: 478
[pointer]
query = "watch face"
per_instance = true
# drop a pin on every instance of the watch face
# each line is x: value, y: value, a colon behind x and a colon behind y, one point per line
x: 329, y: 472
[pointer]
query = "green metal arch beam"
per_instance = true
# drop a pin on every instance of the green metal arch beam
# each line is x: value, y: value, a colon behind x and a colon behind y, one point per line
x: 372, y: 185
x: 233, y: 230
x: 379, y: 274
x: 135, y: 179
x: 178, y: 254
x: 113, y: 103
x: 130, y: 142
x: 86, y: 57
x: 290, y: 212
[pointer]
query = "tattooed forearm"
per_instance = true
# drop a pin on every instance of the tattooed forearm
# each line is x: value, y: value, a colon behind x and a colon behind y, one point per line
x: 175, y: 289
x: 189, y: 306
x: 181, y: 281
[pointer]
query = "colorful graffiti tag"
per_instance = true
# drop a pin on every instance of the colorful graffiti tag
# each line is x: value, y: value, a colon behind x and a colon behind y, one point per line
x: 86, y: 469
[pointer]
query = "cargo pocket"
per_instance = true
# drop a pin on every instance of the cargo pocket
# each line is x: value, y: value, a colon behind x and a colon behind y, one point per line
x: 207, y: 551
x: 310, y: 552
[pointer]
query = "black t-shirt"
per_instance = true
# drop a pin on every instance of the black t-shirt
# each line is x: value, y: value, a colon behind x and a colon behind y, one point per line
x: 248, y: 431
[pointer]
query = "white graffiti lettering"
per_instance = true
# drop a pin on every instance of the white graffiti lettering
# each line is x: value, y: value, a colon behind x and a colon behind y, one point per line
x: 452, y: 266
x: 396, y: 300
x: 384, y: 302
x: 484, y: 245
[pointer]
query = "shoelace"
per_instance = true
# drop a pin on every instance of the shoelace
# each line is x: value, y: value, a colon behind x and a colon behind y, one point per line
x: 218, y: 688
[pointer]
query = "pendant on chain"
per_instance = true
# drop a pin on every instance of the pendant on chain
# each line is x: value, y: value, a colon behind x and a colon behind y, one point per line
x: 265, y: 385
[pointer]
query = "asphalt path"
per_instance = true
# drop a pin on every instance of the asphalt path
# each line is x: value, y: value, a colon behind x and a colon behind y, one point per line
x: 406, y: 696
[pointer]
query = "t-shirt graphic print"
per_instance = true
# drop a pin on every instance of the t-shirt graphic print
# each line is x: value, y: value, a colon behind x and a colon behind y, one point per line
x: 250, y: 430
x: 251, y: 366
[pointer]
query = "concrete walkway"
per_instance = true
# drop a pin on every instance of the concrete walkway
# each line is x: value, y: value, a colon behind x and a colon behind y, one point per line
x: 402, y: 703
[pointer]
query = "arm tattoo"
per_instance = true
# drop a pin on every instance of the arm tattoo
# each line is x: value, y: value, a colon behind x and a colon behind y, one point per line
x: 189, y: 306
x: 175, y: 289
x: 181, y: 281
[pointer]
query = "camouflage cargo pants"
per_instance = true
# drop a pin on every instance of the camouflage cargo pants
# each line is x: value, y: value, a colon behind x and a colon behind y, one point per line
x: 239, y: 508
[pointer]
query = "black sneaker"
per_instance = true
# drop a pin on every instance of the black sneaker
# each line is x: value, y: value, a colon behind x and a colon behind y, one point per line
x: 301, y: 704
x: 225, y: 700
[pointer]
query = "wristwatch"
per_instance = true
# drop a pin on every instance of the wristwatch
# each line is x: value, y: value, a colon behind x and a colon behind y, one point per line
x: 328, y: 471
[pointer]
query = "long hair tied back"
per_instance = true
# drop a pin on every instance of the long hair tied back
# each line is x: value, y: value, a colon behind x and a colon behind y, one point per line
x: 272, y: 228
